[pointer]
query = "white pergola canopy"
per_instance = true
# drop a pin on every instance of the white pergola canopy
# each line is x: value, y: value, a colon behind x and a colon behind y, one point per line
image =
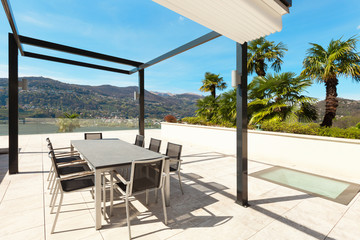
x: 239, y: 20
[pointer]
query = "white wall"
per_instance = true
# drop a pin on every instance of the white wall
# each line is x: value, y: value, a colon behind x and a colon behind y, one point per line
x: 332, y: 157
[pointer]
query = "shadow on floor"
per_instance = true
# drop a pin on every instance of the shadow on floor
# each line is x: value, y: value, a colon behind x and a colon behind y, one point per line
x: 256, y: 205
x: 4, y: 165
x: 31, y: 152
x: 202, y: 157
x: 180, y: 213
x: 189, y: 210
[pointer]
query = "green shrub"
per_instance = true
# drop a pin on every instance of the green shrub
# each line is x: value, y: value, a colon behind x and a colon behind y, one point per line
x: 352, y: 132
x: 299, y: 128
x: 194, y: 120
x: 68, y: 122
x: 311, y: 129
x: 203, y: 121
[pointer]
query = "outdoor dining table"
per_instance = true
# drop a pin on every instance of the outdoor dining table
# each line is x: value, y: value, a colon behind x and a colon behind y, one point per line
x: 105, y: 155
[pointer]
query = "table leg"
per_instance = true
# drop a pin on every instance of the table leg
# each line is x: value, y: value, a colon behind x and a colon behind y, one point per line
x: 97, y: 199
x: 167, y: 182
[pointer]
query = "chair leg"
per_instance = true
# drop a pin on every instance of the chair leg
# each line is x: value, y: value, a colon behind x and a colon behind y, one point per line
x: 56, y: 193
x: 53, y: 196
x: 92, y: 193
x: 111, y: 192
x: 180, y: 183
x: 128, y: 214
x: 50, y: 171
x: 52, y: 174
x: 147, y: 197
x: 57, y: 213
x: 156, y: 195
x: 163, y: 202
x: 104, y: 196
x: 52, y: 186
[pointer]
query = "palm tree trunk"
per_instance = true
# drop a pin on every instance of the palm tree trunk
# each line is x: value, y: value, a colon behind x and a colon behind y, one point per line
x: 213, y: 91
x: 261, y: 70
x: 331, y: 103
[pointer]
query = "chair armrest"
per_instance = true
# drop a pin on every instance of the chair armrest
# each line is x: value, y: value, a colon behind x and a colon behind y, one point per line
x: 77, y: 175
x: 67, y: 153
x: 65, y: 164
x: 121, y: 178
x: 175, y: 160
x: 62, y: 148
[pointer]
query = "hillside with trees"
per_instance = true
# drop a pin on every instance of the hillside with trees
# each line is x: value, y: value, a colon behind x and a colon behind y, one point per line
x: 46, y: 97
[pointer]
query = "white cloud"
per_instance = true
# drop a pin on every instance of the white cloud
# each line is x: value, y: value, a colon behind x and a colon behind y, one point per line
x: 34, y: 21
x: 358, y: 27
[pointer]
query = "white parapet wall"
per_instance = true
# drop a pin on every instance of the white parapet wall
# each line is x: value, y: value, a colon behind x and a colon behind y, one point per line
x: 333, y: 157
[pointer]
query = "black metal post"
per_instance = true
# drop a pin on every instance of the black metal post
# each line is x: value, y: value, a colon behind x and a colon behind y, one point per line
x: 141, y: 102
x: 13, y: 106
x: 241, y: 127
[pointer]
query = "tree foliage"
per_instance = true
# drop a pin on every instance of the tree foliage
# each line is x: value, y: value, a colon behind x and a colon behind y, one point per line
x: 211, y: 83
x: 327, y: 65
x: 278, y: 97
x: 262, y: 52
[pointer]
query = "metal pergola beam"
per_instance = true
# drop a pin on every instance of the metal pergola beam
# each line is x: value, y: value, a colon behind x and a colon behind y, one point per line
x: 72, y: 62
x: 10, y: 17
x: 194, y: 43
x: 77, y: 51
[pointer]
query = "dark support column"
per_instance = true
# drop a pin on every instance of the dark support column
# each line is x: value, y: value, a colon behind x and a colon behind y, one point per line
x: 141, y: 103
x: 241, y: 127
x: 13, y: 106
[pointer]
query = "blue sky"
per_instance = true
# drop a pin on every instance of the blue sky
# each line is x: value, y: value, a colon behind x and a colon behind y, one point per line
x: 142, y: 30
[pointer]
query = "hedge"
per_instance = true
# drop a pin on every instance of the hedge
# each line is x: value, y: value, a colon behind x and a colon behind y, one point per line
x: 297, y: 128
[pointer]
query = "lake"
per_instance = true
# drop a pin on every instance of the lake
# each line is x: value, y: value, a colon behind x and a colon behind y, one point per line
x: 40, y: 128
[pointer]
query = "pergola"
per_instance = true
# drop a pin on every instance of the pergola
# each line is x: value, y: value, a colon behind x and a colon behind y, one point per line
x: 239, y: 20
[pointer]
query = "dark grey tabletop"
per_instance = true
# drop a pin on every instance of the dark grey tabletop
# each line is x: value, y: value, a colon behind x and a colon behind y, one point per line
x: 111, y: 153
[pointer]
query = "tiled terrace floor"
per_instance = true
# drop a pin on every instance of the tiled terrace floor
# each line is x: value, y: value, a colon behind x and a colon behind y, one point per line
x: 207, y: 210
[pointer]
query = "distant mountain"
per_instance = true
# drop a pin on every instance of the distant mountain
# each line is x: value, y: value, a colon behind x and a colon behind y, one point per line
x: 51, y: 98
x: 347, y: 107
x: 163, y: 94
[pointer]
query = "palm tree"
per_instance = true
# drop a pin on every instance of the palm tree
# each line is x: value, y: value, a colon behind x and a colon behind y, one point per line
x: 212, y: 82
x: 326, y: 65
x: 207, y: 107
x: 227, y: 107
x: 279, y: 97
x: 261, y: 52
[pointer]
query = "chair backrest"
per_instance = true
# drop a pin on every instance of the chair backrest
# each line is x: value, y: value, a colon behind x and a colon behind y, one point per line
x: 53, y: 161
x: 154, y: 145
x: 146, y: 175
x: 92, y: 136
x: 50, y: 146
x: 139, y: 140
x: 173, y: 151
